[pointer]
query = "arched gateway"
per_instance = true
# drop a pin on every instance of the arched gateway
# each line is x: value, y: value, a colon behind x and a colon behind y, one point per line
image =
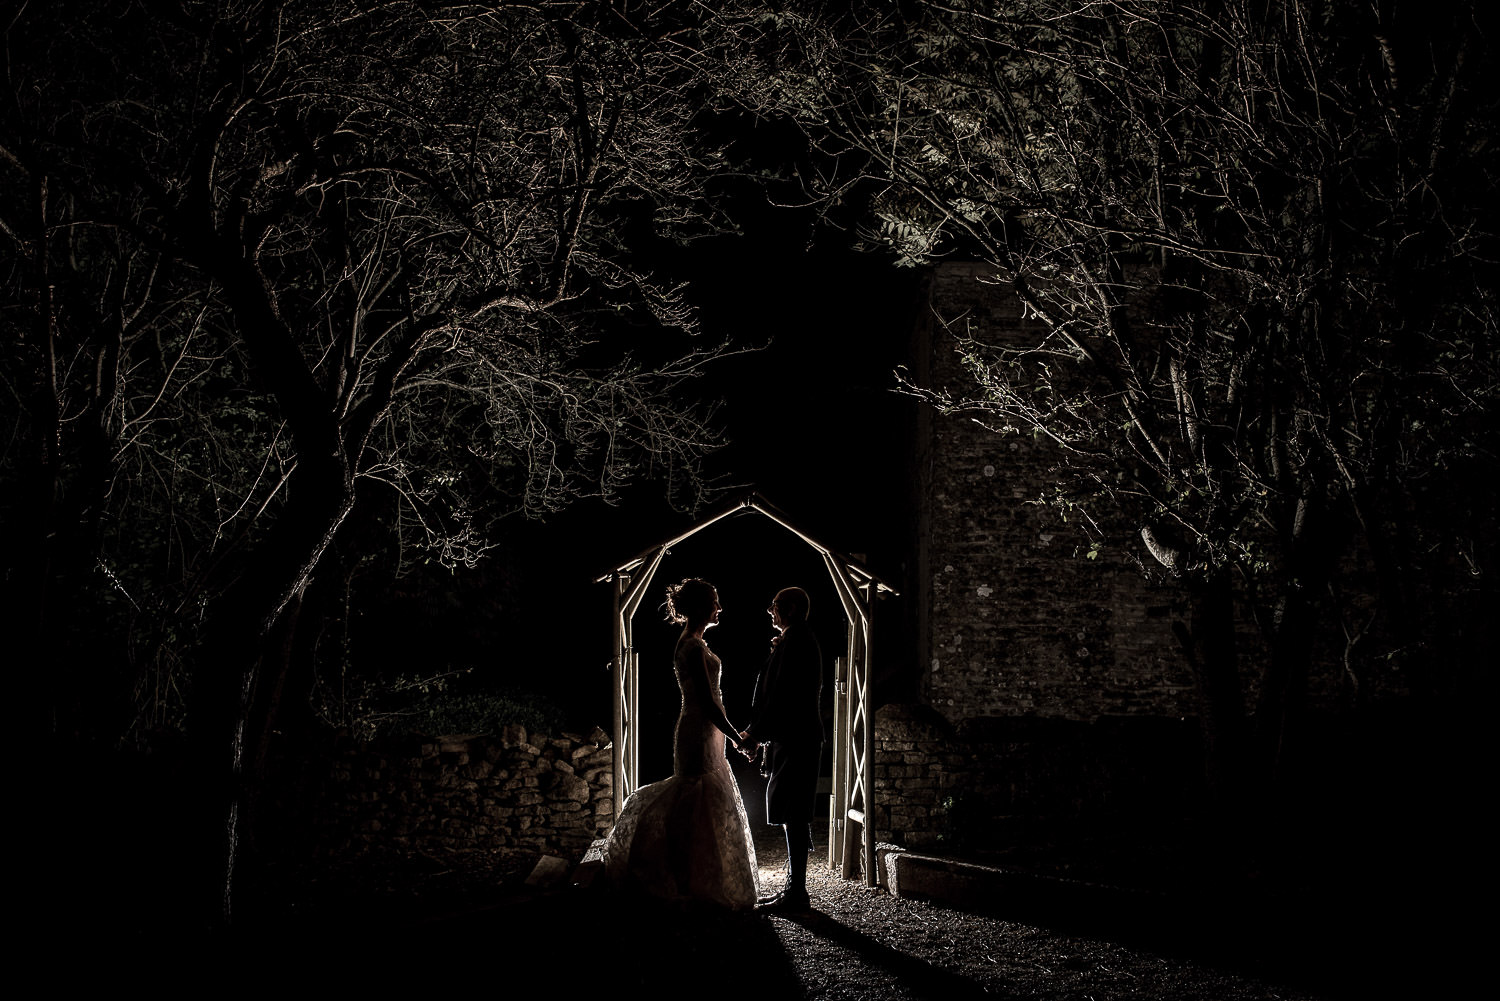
x: 851, y: 836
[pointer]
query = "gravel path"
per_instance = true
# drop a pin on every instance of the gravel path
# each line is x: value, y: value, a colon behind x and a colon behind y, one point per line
x: 410, y: 923
x: 423, y: 922
x: 862, y: 943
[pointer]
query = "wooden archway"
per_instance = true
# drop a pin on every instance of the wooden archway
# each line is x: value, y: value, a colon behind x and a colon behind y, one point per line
x: 851, y: 833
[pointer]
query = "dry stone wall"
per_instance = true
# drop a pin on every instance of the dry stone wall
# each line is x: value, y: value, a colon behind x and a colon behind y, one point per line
x: 468, y: 791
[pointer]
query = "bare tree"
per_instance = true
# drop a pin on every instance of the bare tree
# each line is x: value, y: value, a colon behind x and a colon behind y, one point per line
x: 275, y: 263
x: 1259, y: 240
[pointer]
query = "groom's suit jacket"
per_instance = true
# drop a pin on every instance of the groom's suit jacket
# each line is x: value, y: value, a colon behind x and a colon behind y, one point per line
x: 786, y: 707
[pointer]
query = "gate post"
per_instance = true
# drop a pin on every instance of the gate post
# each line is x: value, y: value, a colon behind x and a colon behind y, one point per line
x: 838, y: 800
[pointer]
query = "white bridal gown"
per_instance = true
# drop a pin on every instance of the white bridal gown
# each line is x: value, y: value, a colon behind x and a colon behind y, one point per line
x: 686, y: 838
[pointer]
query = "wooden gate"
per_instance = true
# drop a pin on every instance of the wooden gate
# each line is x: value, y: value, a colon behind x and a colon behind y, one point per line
x: 625, y: 675
x: 851, y: 831
x: 851, y: 835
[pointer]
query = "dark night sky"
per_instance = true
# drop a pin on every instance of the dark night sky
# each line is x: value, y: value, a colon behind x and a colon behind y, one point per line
x: 813, y: 425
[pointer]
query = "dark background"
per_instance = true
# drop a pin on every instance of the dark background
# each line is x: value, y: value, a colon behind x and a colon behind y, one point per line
x: 813, y: 424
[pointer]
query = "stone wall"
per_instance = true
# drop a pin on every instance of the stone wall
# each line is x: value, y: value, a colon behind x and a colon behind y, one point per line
x: 467, y: 792
x: 997, y: 782
x: 1018, y: 620
x: 1055, y: 695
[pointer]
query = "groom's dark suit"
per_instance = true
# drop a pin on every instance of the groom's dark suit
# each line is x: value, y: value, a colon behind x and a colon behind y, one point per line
x: 786, y: 716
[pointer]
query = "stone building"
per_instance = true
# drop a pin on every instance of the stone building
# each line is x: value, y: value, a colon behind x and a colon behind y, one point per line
x: 1017, y: 619
x: 1051, y: 688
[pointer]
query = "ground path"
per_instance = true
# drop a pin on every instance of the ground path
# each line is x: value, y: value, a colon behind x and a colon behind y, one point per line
x: 452, y: 922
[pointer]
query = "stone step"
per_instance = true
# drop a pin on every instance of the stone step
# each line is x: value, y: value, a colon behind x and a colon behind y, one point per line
x: 1011, y: 892
x: 592, y: 865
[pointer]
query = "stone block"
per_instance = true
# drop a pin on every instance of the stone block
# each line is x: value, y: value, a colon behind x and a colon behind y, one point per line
x: 570, y: 788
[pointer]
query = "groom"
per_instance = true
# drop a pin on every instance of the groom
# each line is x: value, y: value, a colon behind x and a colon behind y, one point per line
x: 786, y: 718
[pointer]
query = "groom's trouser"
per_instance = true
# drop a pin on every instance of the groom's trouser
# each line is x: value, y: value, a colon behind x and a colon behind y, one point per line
x: 798, y: 845
x: 789, y: 800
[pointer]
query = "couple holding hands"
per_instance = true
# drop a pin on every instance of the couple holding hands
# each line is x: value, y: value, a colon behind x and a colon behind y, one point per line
x: 686, y: 838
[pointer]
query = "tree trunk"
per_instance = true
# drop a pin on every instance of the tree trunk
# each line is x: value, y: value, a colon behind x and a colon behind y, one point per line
x: 1280, y: 712
x: 240, y: 643
x: 1208, y: 643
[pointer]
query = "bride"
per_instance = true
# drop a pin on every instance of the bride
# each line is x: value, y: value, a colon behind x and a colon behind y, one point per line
x: 686, y: 838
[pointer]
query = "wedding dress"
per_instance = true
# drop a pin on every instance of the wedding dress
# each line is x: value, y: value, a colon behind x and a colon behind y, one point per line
x: 686, y: 838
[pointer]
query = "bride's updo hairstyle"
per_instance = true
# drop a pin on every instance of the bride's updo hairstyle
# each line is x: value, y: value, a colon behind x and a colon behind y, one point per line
x: 690, y: 601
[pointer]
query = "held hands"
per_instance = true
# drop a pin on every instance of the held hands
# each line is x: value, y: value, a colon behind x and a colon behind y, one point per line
x: 746, y: 746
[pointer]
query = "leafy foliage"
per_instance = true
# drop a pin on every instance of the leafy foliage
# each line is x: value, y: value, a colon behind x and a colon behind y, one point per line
x: 432, y: 706
x: 489, y: 713
x: 1254, y: 248
x: 275, y: 266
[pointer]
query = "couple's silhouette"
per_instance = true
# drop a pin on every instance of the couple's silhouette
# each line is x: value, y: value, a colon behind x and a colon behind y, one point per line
x: 687, y: 838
